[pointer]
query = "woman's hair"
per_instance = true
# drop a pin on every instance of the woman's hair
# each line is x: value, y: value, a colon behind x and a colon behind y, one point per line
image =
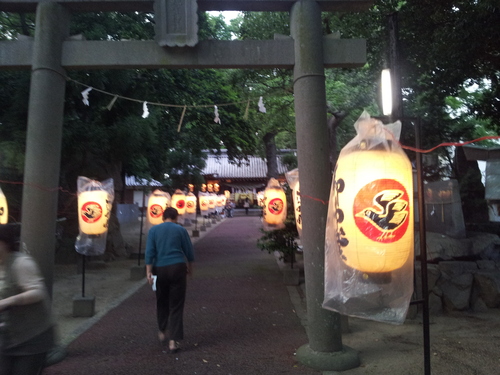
x: 9, y: 233
x: 170, y: 213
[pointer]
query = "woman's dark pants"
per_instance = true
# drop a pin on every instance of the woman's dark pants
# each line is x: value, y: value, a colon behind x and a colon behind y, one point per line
x: 170, y: 297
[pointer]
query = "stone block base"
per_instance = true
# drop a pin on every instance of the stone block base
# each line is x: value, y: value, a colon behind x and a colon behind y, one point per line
x: 83, y: 307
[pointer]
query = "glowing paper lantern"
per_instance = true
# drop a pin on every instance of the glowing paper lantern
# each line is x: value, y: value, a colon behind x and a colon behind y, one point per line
x: 157, y: 203
x: 4, y: 209
x: 191, y: 203
x: 93, y: 212
x: 203, y: 199
x: 221, y: 200
x: 293, y: 181
x: 260, y: 198
x: 179, y: 202
x: 274, y: 210
x: 212, y: 201
x: 374, y: 197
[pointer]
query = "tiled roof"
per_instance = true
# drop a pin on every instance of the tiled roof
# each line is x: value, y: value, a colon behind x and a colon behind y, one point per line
x: 219, y: 166
x: 131, y: 181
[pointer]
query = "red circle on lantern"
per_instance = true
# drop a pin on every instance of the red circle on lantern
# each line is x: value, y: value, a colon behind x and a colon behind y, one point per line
x: 91, y: 212
x: 381, y: 210
x: 155, y: 211
x: 180, y: 204
x: 190, y: 204
x: 275, y: 206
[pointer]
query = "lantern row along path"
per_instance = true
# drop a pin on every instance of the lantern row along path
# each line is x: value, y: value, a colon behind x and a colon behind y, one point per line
x: 239, y: 317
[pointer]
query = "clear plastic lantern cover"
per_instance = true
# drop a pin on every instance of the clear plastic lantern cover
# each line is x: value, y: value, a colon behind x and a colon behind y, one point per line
x: 274, y: 209
x: 292, y: 178
x: 95, y: 200
x: 369, y: 234
x: 4, y: 209
x: 204, y: 199
x: 158, y: 201
x: 212, y: 201
x: 179, y: 201
x: 260, y: 198
x: 191, y: 202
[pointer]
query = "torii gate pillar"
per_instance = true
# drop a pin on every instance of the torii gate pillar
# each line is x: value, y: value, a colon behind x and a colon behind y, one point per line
x: 325, y: 350
x: 43, y: 140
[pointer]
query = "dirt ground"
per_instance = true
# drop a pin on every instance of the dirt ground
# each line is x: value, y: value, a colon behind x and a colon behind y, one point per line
x: 462, y: 343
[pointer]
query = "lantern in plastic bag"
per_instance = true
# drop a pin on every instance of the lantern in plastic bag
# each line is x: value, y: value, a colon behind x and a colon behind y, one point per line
x: 369, y: 233
x: 157, y: 203
x: 4, y: 209
x: 179, y: 202
x: 292, y: 178
x: 212, y: 201
x: 274, y: 210
x: 95, y: 200
x: 204, y: 200
x: 260, y: 198
x: 191, y: 203
x: 93, y: 211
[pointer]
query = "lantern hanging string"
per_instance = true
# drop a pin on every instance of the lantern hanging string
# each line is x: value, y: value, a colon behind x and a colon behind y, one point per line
x: 445, y: 144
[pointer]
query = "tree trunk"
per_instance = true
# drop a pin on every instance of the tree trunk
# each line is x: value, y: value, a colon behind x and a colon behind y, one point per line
x: 271, y: 155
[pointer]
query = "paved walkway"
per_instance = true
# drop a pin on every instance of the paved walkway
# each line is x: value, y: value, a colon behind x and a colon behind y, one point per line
x: 239, y: 319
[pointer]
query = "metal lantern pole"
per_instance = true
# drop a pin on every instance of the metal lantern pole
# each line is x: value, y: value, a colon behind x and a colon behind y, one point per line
x: 423, y: 252
x: 140, y: 229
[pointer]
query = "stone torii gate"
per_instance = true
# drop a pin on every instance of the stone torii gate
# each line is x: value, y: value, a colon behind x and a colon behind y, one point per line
x: 307, y: 52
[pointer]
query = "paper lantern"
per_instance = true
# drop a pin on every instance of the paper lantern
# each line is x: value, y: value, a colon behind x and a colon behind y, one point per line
x: 274, y: 210
x: 179, y: 202
x: 212, y: 201
x: 297, y: 206
x: 221, y: 200
x: 373, y: 198
x: 260, y: 198
x: 204, y: 200
x: 157, y: 203
x: 191, y: 203
x: 93, y: 212
x: 4, y: 209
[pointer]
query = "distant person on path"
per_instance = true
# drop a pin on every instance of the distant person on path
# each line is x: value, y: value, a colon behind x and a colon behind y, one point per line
x: 246, y: 205
x: 169, y: 256
x: 26, y: 326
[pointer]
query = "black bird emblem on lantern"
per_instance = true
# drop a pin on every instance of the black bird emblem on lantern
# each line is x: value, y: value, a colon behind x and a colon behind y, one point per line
x: 388, y: 214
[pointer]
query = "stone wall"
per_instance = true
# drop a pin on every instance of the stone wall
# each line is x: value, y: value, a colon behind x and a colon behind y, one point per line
x: 463, y: 275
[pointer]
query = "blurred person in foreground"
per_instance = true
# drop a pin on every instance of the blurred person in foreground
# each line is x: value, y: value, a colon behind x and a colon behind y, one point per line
x: 169, y: 256
x: 26, y: 326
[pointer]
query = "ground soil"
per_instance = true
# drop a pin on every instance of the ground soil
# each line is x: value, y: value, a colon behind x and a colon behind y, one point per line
x: 461, y: 343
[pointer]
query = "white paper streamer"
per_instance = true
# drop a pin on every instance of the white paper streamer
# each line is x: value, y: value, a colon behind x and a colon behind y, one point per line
x: 261, y: 105
x: 145, y: 112
x: 216, y: 113
x: 85, y: 94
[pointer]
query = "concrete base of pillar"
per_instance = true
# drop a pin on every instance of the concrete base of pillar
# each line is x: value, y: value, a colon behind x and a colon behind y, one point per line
x: 83, y: 307
x: 203, y: 228
x: 137, y: 273
x: 196, y: 233
x: 323, y: 361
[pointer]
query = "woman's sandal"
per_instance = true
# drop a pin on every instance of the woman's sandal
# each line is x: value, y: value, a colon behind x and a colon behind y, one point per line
x: 173, y: 346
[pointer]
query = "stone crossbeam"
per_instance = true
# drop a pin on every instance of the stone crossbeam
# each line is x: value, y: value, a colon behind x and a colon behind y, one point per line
x: 204, y: 5
x: 338, y: 53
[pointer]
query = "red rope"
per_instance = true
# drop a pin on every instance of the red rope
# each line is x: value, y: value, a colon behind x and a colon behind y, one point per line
x: 458, y: 144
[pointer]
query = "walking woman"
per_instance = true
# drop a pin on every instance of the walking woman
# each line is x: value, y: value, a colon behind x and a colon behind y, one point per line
x: 26, y: 332
x: 169, y: 256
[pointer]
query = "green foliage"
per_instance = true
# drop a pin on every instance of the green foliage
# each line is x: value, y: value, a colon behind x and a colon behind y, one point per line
x: 282, y: 240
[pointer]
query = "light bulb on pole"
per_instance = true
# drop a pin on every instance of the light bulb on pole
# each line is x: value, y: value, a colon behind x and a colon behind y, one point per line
x: 386, y: 92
